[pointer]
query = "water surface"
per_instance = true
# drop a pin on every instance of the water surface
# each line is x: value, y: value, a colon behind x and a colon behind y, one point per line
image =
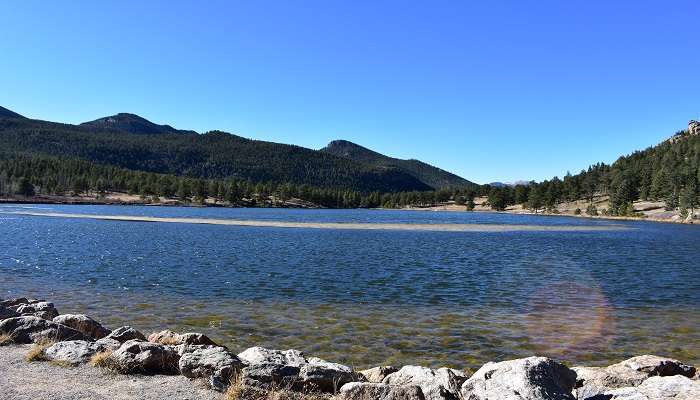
x: 368, y: 297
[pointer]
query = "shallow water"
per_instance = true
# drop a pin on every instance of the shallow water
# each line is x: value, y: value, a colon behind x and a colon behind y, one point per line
x: 368, y: 297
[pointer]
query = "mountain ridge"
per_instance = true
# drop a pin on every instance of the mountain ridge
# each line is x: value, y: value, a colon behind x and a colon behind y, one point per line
x: 431, y: 175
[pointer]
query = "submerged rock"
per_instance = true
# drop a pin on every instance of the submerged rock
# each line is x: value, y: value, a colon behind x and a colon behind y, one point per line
x: 84, y: 324
x: 436, y: 384
x: 73, y: 351
x: 140, y: 357
x: 31, y: 329
x: 171, y: 338
x: 532, y: 378
x: 125, y: 333
x: 215, y: 364
x: 377, y: 374
x: 379, y: 391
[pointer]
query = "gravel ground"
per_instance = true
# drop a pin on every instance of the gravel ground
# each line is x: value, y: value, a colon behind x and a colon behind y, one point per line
x: 22, y: 380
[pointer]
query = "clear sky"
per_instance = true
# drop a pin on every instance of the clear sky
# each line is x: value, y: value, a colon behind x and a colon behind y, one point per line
x: 490, y: 90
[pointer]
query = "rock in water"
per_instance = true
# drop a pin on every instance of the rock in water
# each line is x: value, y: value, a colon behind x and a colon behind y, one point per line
x: 379, y: 391
x: 436, y: 384
x: 171, y: 338
x: 125, y: 333
x: 215, y: 364
x: 73, y: 351
x: 41, y: 309
x: 377, y: 374
x: 84, y: 324
x: 139, y: 357
x: 30, y: 329
x: 532, y: 378
x: 654, y: 366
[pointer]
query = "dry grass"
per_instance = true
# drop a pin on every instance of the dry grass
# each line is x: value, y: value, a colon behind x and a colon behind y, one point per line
x: 36, y: 353
x: 102, y: 359
x: 6, y: 339
x: 237, y: 390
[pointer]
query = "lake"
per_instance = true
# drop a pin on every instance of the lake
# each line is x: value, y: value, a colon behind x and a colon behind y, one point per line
x: 579, y: 290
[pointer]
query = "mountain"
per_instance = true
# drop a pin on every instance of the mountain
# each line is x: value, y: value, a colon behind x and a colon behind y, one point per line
x: 5, y: 113
x: 131, y: 123
x: 131, y: 142
x: 432, y: 176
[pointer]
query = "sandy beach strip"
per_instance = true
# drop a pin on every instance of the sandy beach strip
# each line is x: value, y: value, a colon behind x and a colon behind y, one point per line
x: 337, y: 225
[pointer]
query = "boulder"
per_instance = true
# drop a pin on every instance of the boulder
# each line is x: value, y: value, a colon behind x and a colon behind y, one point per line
x: 109, y: 343
x: 261, y: 355
x: 140, y: 357
x: 84, y: 324
x: 14, y: 303
x: 532, y: 378
x: 215, y: 364
x: 593, y: 381
x: 6, y: 312
x: 326, y: 376
x: 30, y: 329
x: 436, y: 384
x: 266, y: 376
x: 379, y: 391
x: 171, y: 338
x: 654, y: 366
x: 377, y: 374
x: 676, y: 387
x: 73, y: 351
x: 126, y: 333
x: 42, y: 309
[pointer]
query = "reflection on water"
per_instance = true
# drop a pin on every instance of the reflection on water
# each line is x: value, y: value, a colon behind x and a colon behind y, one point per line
x: 367, y: 298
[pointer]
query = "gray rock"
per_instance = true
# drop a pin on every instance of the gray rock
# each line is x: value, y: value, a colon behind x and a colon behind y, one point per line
x: 73, y: 351
x: 261, y: 355
x: 436, y: 384
x: 593, y: 381
x: 215, y: 364
x: 109, y: 344
x: 171, y: 338
x: 677, y: 387
x: 14, y: 303
x: 140, y: 357
x: 6, y: 312
x: 377, y: 374
x: 30, y: 329
x: 326, y: 376
x: 126, y: 333
x: 84, y: 324
x: 532, y: 378
x: 379, y: 391
x: 42, y: 309
x: 654, y: 366
x: 266, y: 376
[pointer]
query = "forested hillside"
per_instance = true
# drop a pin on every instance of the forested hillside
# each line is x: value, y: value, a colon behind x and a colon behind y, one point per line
x: 432, y: 176
x: 669, y: 172
x: 213, y: 155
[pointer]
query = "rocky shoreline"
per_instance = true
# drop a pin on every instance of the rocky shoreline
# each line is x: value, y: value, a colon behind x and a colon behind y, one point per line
x: 69, y: 341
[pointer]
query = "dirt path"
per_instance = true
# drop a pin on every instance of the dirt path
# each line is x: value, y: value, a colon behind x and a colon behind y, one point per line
x: 22, y: 380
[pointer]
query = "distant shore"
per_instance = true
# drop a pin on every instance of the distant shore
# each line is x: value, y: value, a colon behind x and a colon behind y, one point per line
x: 650, y: 211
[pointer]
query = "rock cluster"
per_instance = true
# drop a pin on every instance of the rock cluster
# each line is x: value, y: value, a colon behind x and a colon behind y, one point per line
x: 78, y: 339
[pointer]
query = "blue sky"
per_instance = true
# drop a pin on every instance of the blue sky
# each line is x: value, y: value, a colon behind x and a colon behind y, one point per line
x: 489, y: 90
